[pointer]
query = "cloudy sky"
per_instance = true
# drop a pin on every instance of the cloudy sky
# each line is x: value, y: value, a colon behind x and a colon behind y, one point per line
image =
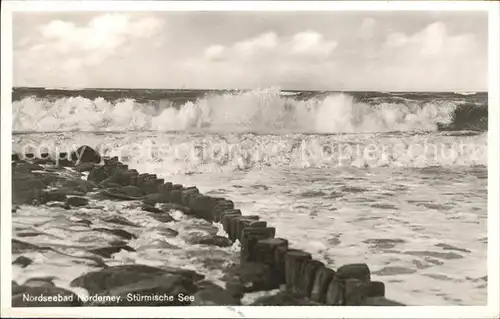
x: 293, y: 50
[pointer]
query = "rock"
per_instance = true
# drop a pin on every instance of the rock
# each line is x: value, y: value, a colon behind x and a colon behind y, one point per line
x: 171, y: 206
x: 154, y: 198
x: 98, y: 174
x: 253, y: 276
x: 83, y: 221
x: 162, y: 244
x: 40, y: 282
x: 117, y: 232
x: 151, y: 209
x: 62, y: 160
x: 139, y: 280
x: 169, y: 285
x: 106, y: 252
x: 44, y: 161
x: 129, y: 192
x: 209, y: 294
x: 79, y: 185
x: 44, y: 296
x: 59, y: 193
x: 111, y: 160
x: 19, y: 246
x: 107, y: 183
x: 16, y: 288
x: 48, y: 178
x: 120, y: 220
x: 202, y: 227
x: 22, y: 261
x: 85, y: 154
x: 84, y: 167
x: 168, y: 232
x: 58, y: 205
x: 164, y: 217
x: 27, y: 167
x: 450, y: 247
x: 26, y: 188
x: 29, y: 234
x: 109, y: 180
x: 218, y: 241
x: 55, y: 196
x: 77, y: 201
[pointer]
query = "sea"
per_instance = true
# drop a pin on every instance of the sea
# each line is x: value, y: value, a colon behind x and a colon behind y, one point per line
x: 396, y: 180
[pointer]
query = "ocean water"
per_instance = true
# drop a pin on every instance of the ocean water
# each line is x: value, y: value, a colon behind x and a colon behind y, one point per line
x: 395, y: 180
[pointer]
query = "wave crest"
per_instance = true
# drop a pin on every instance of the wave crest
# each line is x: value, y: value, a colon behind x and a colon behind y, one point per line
x: 266, y: 110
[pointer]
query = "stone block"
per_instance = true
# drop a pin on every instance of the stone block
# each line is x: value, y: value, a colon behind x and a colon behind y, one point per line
x: 322, y: 279
x: 335, y: 293
x: 249, y: 238
x: 356, y: 271
x: 293, y: 264
x: 308, y: 275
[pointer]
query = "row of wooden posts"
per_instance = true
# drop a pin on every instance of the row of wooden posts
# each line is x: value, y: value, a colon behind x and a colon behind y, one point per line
x: 300, y: 274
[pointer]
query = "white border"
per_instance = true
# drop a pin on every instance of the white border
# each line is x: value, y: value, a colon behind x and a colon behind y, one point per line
x: 490, y: 311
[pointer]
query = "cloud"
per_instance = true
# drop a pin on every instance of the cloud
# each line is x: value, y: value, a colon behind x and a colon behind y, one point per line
x: 367, y: 28
x: 215, y: 52
x: 312, y: 44
x: 433, y: 40
x: 433, y: 57
x: 265, y: 59
x: 103, y: 34
x: 64, y: 46
x: 364, y: 52
x: 260, y: 44
x: 268, y: 46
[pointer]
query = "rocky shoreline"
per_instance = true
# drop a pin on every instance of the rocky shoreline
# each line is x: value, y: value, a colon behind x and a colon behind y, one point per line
x: 266, y: 263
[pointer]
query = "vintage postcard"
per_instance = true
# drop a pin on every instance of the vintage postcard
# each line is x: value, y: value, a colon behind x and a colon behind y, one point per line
x: 329, y: 159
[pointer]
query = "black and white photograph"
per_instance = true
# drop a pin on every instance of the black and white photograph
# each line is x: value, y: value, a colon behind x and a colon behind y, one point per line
x: 249, y: 157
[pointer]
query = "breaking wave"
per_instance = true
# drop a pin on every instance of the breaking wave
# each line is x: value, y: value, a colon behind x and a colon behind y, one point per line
x: 267, y: 110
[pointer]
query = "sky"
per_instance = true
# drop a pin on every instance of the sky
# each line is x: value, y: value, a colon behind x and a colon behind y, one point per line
x: 377, y: 50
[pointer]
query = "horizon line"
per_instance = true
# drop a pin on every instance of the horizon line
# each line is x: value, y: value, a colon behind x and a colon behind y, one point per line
x: 247, y: 89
